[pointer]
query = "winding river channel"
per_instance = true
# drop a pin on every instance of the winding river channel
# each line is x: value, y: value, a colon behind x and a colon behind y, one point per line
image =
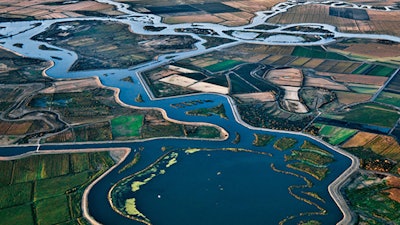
x: 207, y: 187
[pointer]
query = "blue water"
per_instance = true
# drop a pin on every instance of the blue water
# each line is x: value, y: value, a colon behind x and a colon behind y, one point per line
x: 191, y: 189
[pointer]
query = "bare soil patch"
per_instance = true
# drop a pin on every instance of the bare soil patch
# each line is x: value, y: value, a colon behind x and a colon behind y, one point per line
x: 260, y: 96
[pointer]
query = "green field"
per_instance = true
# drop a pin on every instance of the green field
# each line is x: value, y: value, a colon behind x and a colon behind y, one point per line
x: 361, y: 69
x: 51, y: 191
x: 16, y: 194
x: 334, y: 135
x: 127, y: 126
x: 284, y: 143
x: 380, y: 70
x: 52, y: 210
x: 365, y: 89
x: 389, y: 98
x: 224, y: 65
x: 17, y: 215
x: 316, y: 52
x: 371, y: 113
x: 374, y: 70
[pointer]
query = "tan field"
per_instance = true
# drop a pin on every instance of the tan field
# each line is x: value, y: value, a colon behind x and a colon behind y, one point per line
x: 259, y: 96
x: 206, y: 18
x: 72, y: 86
x: 351, y: 97
x: 324, y: 83
x: 207, y: 87
x: 382, y: 22
x: 178, y: 80
x: 36, y: 9
x: 286, y: 77
x: 360, y: 139
x: 374, y: 2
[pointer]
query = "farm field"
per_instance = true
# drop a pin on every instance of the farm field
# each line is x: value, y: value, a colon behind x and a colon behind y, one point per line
x: 229, y: 13
x: 16, y: 10
x: 389, y: 98
x: 384, y: 145
x: 380, y: 22
x: 334, y: 135
x: 58, y: 190
x: 369, y: 113
x: 377, y: 50
x: 127, y: 125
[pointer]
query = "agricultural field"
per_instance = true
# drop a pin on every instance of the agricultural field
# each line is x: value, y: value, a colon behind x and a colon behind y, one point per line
x: 384, y: 145
x: 376, y: 50
x: 229, y: 13
x: 59, y: 182
x: 99, y: 47
x: 127, y: 126
x: 394, y: 84
x: 17, y: 10
x: 389, y: 98
x: 380, y: 22
x: 334, y: 135
x: 368, y: 113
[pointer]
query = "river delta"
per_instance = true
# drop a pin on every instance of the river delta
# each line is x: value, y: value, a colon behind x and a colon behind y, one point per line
x: 197, y: 181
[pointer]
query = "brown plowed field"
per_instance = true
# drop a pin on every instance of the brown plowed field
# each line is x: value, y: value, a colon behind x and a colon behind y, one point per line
x: 323, y: 83
x: 38, y: 10
x: 351, y: 97
x: 382, y: 22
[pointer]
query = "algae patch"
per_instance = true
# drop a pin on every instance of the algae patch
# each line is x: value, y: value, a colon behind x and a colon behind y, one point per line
x: 131, y: 209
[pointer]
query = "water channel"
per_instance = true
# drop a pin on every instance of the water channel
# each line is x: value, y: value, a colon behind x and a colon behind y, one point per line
x: 207, y: 187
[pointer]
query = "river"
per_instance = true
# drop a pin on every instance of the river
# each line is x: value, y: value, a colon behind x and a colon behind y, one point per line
x: 256, y: 181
